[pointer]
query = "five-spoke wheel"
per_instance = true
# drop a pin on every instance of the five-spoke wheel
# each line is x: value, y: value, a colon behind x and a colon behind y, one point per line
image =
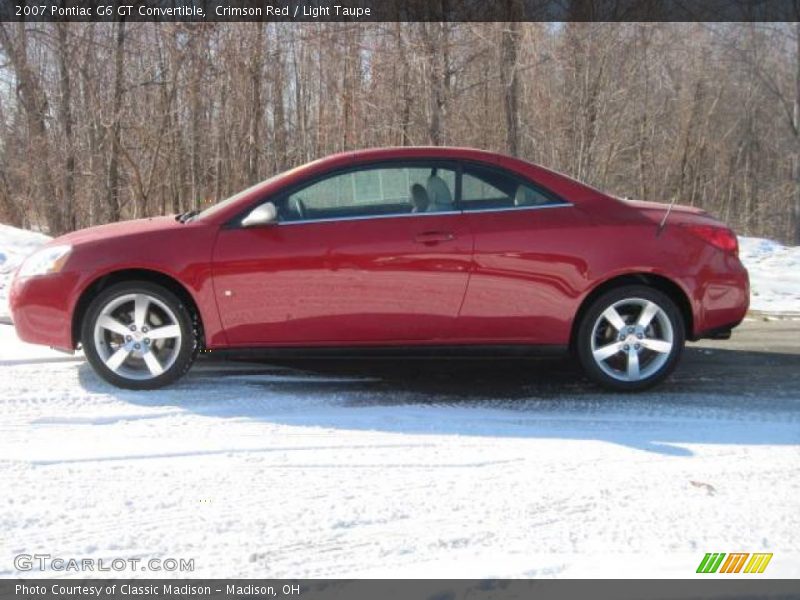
x: 138, y: 335
x: 630, y: 338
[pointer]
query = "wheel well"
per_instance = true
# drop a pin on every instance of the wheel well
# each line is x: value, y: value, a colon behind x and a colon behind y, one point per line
x: 103, y: 282
x: 658, y: 282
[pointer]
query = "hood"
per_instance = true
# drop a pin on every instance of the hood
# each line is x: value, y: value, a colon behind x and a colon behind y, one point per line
x: 119, y: 230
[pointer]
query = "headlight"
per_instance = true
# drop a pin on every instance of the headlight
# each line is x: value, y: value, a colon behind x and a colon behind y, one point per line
x: 45, y: 261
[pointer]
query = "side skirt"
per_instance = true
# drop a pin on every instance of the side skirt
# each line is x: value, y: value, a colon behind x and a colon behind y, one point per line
x: 381, y: 352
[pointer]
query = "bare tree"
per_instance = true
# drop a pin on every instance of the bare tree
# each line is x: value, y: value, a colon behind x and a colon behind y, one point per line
x: 34, y: 102
x: 104, y: 121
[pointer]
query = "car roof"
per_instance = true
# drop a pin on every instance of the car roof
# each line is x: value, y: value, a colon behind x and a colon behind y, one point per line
x: 453, y: 152
x: 562, y: 185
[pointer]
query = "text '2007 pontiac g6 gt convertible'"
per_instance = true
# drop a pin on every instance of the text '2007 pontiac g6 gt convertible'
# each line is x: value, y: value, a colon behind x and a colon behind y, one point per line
x: 441, y: 249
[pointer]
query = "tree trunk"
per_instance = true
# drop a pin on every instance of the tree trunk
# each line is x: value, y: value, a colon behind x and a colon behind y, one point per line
x: 436, y: 42
x: 254, y: 137
x: 405, y: 110
x: 796, y: 162
x: 10, y: 212
x: 195, y: 167
x: 510, y: 45
x: 279, y: 107
x: 68, y: 208
x: 95, y: 163
x: 113, y: 197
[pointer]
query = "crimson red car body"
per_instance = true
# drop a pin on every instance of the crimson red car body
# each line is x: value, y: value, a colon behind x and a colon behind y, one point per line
x: 498, y: 277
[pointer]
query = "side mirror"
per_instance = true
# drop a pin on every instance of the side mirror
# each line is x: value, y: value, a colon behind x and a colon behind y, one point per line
x: 263, y: 214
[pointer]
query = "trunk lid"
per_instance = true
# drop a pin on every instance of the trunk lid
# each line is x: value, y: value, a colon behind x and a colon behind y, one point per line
x: 679, y: 213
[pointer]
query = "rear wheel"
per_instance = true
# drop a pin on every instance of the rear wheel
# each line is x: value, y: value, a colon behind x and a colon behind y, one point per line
x: 630, y: 338
x: 139, y: 335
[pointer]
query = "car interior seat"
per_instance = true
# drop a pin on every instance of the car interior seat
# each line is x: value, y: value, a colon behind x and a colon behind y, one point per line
x: 439, y: 194
x: 419, y: 199
x: 297, y: 207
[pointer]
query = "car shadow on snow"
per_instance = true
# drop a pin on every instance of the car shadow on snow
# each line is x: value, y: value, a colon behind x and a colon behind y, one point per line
x: 714, y: 397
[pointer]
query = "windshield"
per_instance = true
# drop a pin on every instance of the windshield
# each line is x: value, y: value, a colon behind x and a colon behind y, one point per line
x: 214, y: 208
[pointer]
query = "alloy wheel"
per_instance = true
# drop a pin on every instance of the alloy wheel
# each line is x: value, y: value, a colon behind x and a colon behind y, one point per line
x: 632, y: 339
x: 137, y: 336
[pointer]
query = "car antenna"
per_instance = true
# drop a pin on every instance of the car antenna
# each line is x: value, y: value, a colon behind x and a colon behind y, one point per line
x: 666, y: 216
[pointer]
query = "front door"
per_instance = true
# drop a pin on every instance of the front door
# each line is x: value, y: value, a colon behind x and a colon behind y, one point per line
x: 372, y: 255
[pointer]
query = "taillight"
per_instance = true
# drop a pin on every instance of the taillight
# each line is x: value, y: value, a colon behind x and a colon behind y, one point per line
x: 721, y: 237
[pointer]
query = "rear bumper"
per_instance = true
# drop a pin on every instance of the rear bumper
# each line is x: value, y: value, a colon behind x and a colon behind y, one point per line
x: 41, y: 309
x: 721, y: 299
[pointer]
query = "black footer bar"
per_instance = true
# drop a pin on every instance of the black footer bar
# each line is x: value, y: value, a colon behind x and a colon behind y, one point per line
x: 388, y: 589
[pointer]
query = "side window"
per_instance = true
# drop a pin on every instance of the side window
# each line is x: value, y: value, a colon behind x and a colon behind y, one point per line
x: 486, y: 189
x: 373, y: 191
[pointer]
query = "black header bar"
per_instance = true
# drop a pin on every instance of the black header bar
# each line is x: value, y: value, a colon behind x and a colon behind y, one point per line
x: 204, y: 11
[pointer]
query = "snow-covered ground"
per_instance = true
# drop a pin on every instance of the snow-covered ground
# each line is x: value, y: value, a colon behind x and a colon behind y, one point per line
x: 265, y: 471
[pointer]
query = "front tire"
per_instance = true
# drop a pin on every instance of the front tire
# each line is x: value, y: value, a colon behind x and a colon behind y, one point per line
x: 630, y: 338
x: 139, y: 335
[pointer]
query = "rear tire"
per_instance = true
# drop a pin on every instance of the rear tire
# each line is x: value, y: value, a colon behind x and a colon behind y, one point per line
x: 630, y: 338
x: 138, y: 335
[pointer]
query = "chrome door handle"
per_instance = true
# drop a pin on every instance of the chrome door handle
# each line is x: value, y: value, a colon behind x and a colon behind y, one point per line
x: 431, y: 238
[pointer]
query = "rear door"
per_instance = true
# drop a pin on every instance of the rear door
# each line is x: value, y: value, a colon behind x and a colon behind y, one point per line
x: 376, y: 254
x: 528, y: 266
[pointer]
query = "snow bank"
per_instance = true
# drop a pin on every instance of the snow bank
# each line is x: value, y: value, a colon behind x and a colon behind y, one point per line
x: 774, y: 275
x: 15, y: 245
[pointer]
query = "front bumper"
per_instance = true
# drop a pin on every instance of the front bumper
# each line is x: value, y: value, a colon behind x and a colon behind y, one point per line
x: 41, y: 309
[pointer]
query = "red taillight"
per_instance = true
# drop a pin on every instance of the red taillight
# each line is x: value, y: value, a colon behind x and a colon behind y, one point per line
x: 721, y: 237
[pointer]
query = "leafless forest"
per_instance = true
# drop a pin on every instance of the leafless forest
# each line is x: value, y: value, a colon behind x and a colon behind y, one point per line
x: 100, y: 122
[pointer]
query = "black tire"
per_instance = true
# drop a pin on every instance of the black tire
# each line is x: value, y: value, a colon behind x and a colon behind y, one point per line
x: 183, y: 355
x: 587, y: 334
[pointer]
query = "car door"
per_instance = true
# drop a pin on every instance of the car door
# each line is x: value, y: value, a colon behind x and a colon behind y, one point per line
x: 353, y: 259
x: 528, y: 265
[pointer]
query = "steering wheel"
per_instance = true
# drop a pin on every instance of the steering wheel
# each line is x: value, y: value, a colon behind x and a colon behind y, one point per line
x: 298, y: 206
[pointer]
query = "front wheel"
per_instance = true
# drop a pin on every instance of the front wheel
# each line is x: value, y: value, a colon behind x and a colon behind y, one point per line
x: 630, y: 338
x: 139, y: 336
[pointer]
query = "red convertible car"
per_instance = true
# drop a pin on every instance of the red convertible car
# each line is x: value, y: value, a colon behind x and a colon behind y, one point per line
x: 442, y: 249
